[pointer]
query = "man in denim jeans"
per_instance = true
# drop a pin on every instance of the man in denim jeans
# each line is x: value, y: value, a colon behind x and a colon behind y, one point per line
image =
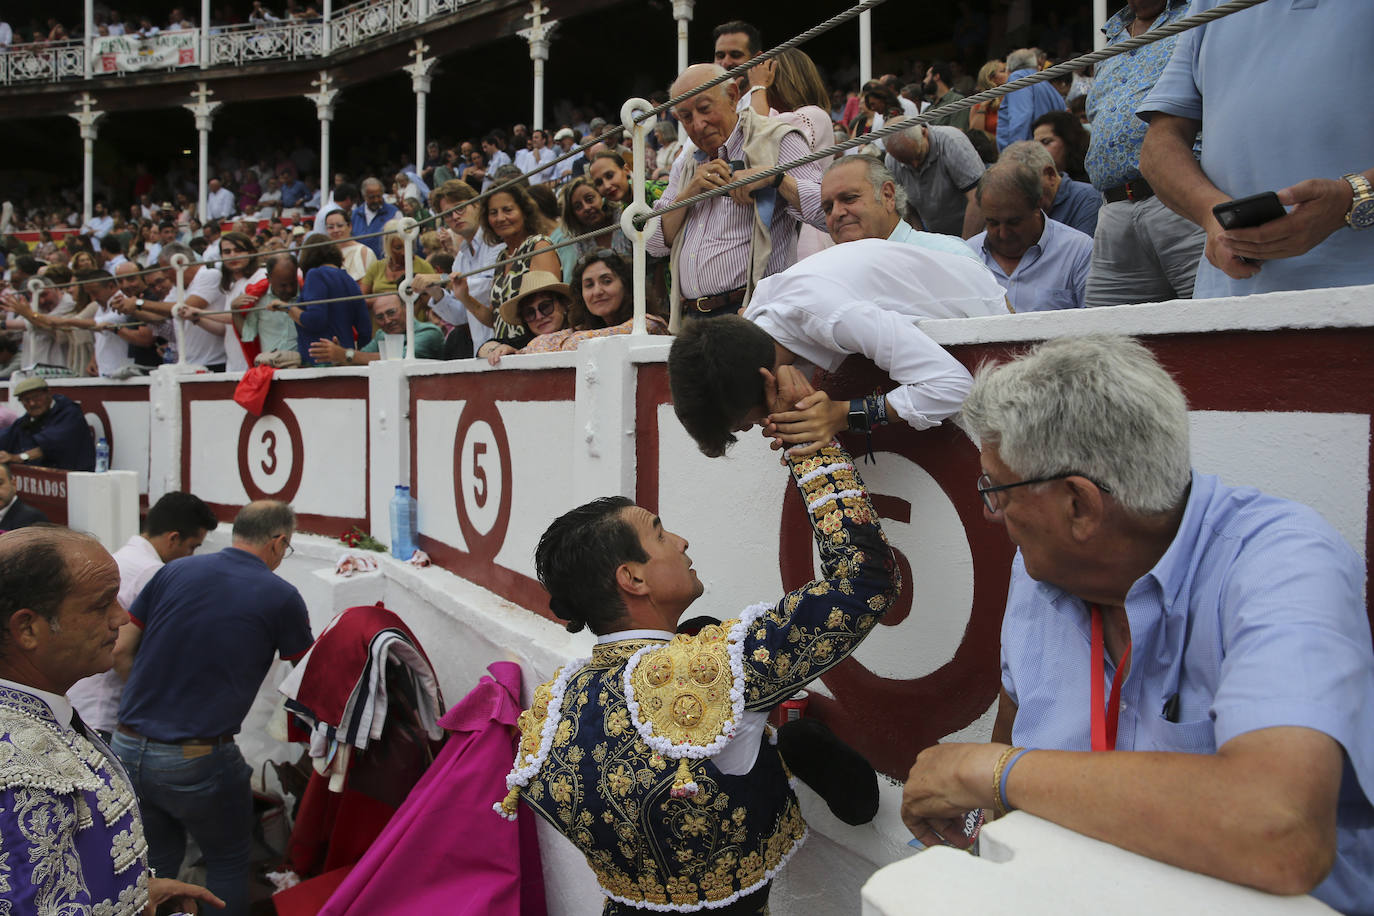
x: 181, y: 709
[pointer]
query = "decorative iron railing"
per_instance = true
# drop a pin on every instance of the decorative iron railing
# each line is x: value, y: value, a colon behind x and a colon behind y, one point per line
x: 234, y: 45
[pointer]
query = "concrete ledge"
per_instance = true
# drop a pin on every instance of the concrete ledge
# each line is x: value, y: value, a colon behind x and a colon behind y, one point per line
x: 1032, y: 867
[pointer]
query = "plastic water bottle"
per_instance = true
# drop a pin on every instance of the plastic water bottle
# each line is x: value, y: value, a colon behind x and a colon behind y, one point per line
x: 403, y: 512
x: 102, y: 455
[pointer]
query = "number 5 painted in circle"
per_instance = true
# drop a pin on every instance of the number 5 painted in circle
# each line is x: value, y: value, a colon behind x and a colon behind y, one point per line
x: 479, y: 473
x: 482, y: 481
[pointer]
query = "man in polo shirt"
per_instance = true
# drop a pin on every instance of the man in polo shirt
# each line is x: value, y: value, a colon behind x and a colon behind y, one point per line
x: 1042, y: 264
x: 210, y: 628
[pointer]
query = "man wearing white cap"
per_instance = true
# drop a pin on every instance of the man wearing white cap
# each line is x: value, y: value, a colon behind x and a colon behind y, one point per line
x: 54, y: 433
x: 565, y: 138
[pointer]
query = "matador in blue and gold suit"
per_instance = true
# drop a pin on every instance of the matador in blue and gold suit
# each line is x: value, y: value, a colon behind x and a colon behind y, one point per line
x: 619, y: 752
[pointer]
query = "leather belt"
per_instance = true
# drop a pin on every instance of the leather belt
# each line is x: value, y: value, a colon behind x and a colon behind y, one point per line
x: 201, y: 742
x: 1135, y: 190
x: 708, y: 304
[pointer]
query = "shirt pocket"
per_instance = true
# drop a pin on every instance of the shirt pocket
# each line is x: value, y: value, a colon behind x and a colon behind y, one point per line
x: 1158, y: 734
x: 1063, y: 298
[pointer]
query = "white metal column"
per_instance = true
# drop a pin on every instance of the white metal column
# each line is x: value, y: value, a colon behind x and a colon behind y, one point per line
x: 204, y: 34
x: 323, y: 98
x: 865, y: 47
x: 204, y: 110
x: 682, y: 12
x: 420, y: 74
x: 87, y: 118
x: 89, y: 41
x: 537, y: 35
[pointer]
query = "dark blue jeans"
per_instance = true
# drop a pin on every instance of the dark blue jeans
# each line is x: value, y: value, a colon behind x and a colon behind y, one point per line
x: 201, y: 790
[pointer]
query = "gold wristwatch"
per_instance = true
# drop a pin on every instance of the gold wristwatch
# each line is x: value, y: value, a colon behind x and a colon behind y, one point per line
x: 1361, y: 212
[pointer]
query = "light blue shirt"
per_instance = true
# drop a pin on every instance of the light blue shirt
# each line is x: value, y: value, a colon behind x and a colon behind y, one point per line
x: 1052, y: 274
x: 1255, y: 618
x: 935, y: 241
x: 1020, y: 109
x: 1233, y: 66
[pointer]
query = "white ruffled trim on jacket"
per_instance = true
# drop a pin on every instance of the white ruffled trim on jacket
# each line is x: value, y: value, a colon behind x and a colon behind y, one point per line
x: 520, y: 776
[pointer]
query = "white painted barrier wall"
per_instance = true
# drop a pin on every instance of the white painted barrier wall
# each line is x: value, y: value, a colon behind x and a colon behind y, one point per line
x: 1282, y: 388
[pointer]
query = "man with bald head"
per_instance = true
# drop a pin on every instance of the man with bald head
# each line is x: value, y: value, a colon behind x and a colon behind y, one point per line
x: 69, y: 822
x: 720, y: 248
x: 209, y: 628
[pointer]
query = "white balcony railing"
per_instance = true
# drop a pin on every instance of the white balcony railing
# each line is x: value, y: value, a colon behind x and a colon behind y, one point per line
x: 234, y: 45
x: 43, y: 62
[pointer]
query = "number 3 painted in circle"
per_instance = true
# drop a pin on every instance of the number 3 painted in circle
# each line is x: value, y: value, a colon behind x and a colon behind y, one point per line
x: 269, y: 463
x: 271, y: 455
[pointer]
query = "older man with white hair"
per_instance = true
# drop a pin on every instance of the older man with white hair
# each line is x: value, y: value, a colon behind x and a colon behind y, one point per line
x: 720, y: 248
x: 1226, y: 629
x: 863, y: 200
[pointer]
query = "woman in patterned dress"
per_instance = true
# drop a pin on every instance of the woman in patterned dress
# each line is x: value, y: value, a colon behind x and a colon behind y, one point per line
x: 511, y: 216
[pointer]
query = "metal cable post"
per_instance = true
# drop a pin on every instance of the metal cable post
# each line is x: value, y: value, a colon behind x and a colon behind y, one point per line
x: 410, y: 231
x: 35, y: 286
x: 178, y: 263
x: 639, y: 131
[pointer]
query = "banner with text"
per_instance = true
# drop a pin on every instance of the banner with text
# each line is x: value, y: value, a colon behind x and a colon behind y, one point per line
x: 122, y: 53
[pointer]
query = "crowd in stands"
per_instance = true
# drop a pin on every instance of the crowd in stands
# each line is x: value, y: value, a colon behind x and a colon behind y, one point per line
x: 1018, y: 182
x: 1027, y: 203
x: 110, y: 21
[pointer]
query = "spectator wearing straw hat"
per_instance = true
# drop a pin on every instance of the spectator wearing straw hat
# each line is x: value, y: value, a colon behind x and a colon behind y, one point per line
x: 53, y: 433
x: 721, y: 247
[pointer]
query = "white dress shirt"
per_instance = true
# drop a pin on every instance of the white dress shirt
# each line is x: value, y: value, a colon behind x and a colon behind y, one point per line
x: 867, y: 297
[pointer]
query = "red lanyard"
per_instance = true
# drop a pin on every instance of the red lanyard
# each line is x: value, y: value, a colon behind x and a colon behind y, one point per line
x: 1104, y: 730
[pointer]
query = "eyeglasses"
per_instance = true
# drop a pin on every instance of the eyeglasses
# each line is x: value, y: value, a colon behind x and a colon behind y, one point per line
x: 986, y: 487
x: 544, y: 307
x: 287, y: 550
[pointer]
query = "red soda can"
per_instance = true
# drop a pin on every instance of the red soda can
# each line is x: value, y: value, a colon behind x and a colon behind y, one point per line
x: 792, y: 708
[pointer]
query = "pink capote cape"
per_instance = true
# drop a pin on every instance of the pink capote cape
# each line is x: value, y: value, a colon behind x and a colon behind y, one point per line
x: 445, y: 850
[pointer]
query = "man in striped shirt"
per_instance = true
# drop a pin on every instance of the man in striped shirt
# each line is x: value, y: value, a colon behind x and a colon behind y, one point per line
x: 720, y: 248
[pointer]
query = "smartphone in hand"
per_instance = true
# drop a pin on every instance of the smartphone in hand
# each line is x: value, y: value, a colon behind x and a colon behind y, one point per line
x: 1246, y: 212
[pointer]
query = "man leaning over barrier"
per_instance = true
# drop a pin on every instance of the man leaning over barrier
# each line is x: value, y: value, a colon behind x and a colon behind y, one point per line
x: 863, y: 297
x: 652, y: 756
x: 1226, y: 628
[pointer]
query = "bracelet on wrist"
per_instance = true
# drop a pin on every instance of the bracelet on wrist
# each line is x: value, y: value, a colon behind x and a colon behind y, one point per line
x: 999, y: 779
